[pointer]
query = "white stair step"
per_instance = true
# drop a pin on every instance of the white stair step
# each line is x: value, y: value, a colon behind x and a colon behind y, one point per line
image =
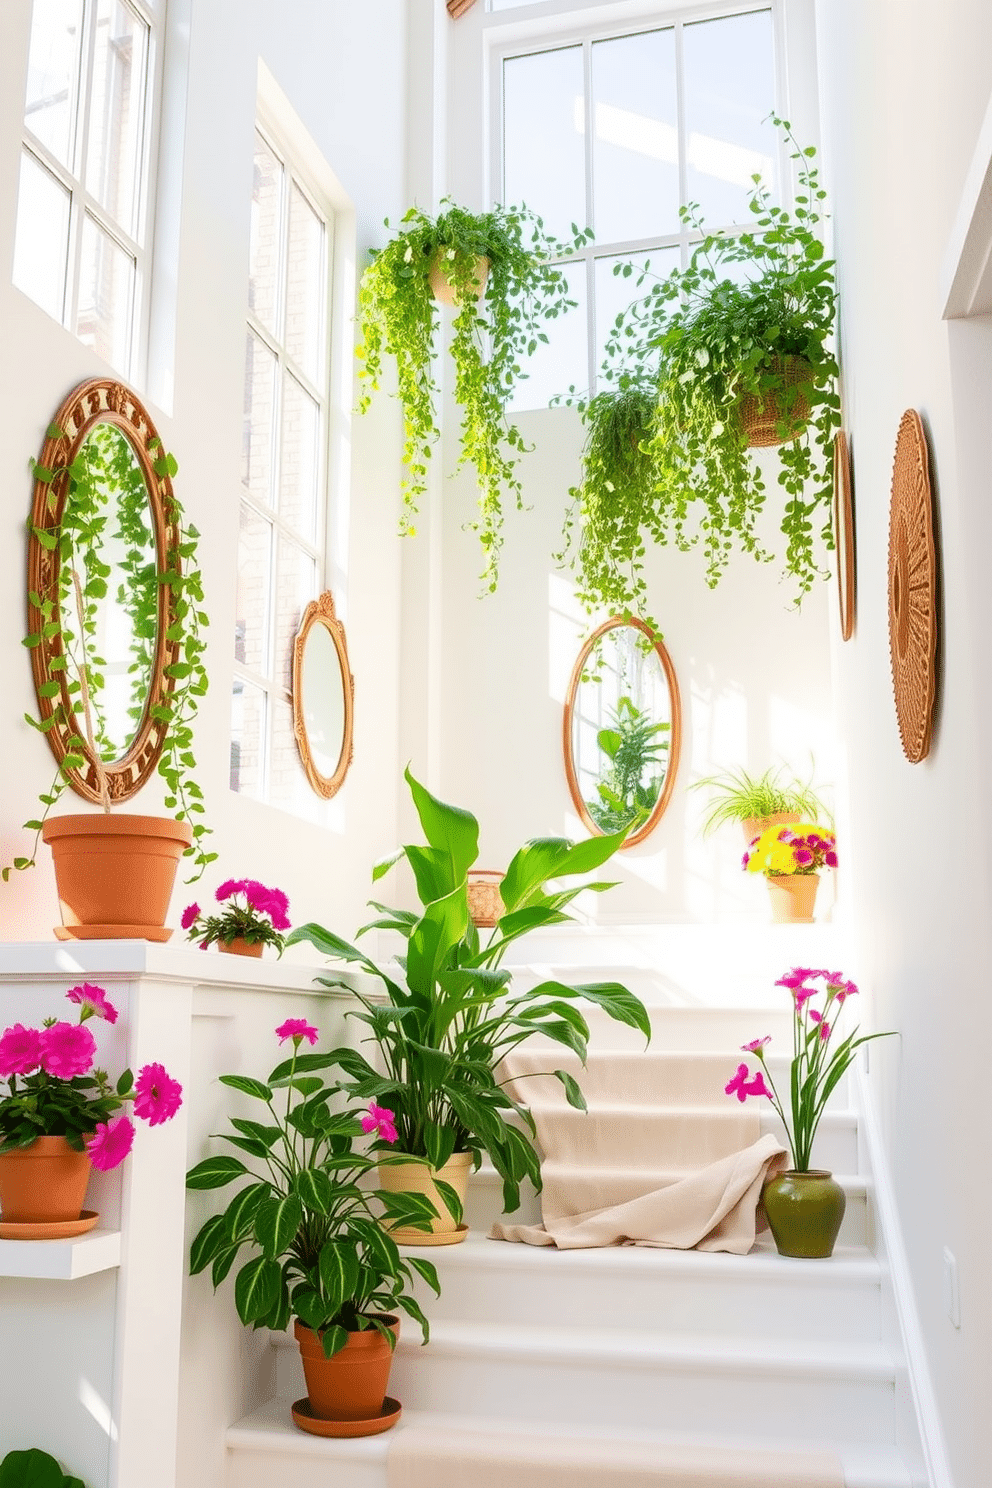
x: 680, y: 1291
x: 265, y: 1450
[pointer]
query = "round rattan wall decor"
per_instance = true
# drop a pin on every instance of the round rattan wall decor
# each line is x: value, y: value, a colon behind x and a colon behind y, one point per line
x: 912, y: 589
x: 844, y: 534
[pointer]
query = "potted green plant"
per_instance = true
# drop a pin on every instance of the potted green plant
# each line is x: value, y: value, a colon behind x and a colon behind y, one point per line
x: 502, y: 279
x: 791, y: 858
x: 805, y: 1205
x: 34, y: 1468
x: 735, y: 347
x: 451, y: 1012
x: 758, y: 801
x: 252, y: 918
x: 627, y: 793
x: 318, y: 1254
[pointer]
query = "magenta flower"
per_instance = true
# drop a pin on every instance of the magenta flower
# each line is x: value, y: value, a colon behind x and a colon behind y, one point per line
x: 803, y: 857
x: 297, y: 1029
x: 93, y: 1001
x: 830, y: 858
x: 736, y: 1086
x: 756, y: 1045
x: 803, y: 994
x: 190, y: 914
x: 157, y: 1096
x: 842, y: 990
x: 110, y: 1144
x: 67, y: 1050
x: 230, y: 886
x: 756, y: 1086
x: 797, y: 976
x: 380, y: 1120
x: 20, y: 1051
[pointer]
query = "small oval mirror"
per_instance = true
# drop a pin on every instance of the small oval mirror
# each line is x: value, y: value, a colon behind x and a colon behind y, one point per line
x: 323, y: 697
x: 622, y: 729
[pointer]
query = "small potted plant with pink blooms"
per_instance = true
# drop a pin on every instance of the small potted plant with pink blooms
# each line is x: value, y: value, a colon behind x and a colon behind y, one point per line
x: 252, y: 918
x: 311, y: 1223
x: 791, y: 858
x: 60, y: 1117
x: 805, y: 1205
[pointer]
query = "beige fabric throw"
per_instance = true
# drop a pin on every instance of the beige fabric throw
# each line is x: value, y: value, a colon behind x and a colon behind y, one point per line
x: 663, y: 1156
x: 423, y: 1458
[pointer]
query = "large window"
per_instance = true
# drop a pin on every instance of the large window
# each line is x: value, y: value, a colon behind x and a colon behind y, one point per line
x: 633, y: 126
x: 82, y: 210
x: 284, y: 459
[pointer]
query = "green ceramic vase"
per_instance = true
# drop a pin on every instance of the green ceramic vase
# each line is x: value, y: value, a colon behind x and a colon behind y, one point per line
x: 804, y: 1212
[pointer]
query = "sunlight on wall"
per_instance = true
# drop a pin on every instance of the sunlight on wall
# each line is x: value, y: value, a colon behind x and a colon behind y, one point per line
x: 93, y: 1402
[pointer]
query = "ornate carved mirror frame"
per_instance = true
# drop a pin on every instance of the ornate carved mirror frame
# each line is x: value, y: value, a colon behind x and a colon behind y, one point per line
x: 675, y: 736
x: 98, y: 401
x: 321, y: 612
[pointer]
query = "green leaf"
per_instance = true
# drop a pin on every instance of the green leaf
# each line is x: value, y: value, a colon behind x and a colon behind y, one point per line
x: 207, y: 1243
x: 214, y: 1172
x: 338, y: 1266
x: 277, y: 1223
x: 30, y: 1469
x: 573, y: 1090
x: 440, y: 929
x: 448, y: 828
x: 256, y: 1289
x: 314, y: 1188
x: 333, y: 1340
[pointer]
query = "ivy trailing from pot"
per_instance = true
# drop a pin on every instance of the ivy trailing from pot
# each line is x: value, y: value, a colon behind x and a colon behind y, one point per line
x: 729, y: 352
x: 500, y: 274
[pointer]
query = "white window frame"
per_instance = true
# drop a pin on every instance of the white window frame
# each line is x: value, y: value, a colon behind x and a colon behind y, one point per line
x: 82, y: 204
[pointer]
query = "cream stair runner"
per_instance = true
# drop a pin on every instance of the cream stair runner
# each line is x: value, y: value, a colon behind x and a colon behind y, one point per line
x: 662, y: 1156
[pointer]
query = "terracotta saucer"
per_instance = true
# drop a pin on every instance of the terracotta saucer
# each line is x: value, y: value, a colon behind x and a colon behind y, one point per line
x: 421, y: 1237
x: 112, y: 932
x: 62, y: 1229
x: 304, y: 1418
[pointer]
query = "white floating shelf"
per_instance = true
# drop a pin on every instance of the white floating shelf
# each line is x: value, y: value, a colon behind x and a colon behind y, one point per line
x: 61, y: 1260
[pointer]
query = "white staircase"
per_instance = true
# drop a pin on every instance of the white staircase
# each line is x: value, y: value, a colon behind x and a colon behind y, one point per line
x: 638, y: 1353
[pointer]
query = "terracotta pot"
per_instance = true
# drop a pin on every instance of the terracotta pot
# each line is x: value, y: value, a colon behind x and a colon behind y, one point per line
x: 350, y: 1386
x: 793, y: 896
x: 804, y: 1212
x: 241, y: 947
x: 485, y: 903
x: 44, y: 1183
x: 761, y: 419
x: 414, y: 1175
x: 753, y: 826
x: 444, y: 291
x: 115, y: 873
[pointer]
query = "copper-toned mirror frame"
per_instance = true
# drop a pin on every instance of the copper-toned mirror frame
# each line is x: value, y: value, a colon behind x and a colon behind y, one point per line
x: 844, y: 534
x: 100, y: 400
x: 913, y: 589
x: 321, y: 612
x: 615, y: 622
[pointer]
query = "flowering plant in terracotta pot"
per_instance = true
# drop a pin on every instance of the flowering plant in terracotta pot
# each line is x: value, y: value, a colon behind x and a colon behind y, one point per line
x: 820, y: 1058
x: 310, y: 1222
x: 253, y: 916
x: 799, y: 847
x: 58, y: 1098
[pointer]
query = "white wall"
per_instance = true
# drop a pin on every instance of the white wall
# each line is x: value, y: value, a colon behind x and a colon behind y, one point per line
x: 322, y: 54
x: 904, y: 89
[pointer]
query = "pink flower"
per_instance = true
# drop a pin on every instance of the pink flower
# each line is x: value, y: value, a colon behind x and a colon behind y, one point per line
x: 803, y: 994
x: 756, y: 1045
x: 380, y: 1120
x: 736, y: 1085
x: 93, y: 1001
x: 297, y: 1029
x: 157, y: 1096
x: 824, y: 1030
x: 816, y: 1017
x: 67, y: 1049
x: 830, y: 858
x: 842, y: 989
x: 20, y: 1051
x: 190, y: 914
x: 110, y: 1144
x: 230, y: 886
x: 803, y: 857
x: 756, y: 1086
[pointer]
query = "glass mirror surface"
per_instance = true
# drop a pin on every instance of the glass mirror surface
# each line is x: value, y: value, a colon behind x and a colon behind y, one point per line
x: 623, y: 726
x: 323, y: 699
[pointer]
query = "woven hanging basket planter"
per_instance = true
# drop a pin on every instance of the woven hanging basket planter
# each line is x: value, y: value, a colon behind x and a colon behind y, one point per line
x: 781, y: 415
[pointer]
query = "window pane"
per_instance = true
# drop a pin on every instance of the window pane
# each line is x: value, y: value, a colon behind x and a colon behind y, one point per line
x: 53, y: 74
x: 729, y: 91
x: 263, y: 274
x: 106, y: 297
x: 635, y: 160
x: 251, y: 623
x: 257, y: 439
x: 300, y: 458
x: 306, y: 274
x: 563, y: 361
x: 614, y: 293
x: 288, y: 785
x: 296, y: 586
x: 543, y: 147
x: 247, y: 738
x: 116, y: 111
x: 42, y: 243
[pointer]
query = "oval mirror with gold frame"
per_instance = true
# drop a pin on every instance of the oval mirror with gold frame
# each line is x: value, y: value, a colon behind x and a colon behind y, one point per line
x: 622, y: 729
x: 323, y: 697
x: 103, y: 529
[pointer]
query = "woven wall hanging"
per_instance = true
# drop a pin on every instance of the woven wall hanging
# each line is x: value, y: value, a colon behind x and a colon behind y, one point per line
x: 912, y: 589
x: 844, y: 534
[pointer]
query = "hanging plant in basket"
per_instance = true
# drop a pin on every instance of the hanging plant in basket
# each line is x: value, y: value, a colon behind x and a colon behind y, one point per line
x: 497, y: 269
x: 734, y: 349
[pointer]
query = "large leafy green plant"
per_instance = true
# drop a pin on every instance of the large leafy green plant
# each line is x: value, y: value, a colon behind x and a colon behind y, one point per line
x: 311, y: 1223
x: 736, y: 796
x: 629, y: 789
x: 491, y: 337
x: 34, y: 1468
x: 749, y: 319
x: 451, y: 1013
